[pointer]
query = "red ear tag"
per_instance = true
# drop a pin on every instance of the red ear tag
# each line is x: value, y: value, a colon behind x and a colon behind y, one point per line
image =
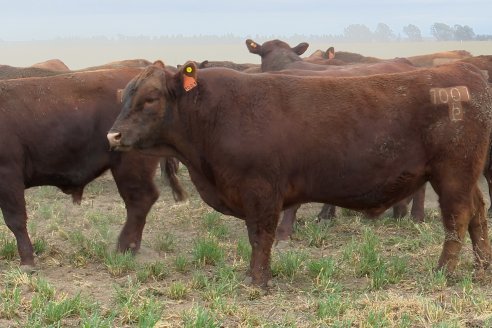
x: 189, y: 82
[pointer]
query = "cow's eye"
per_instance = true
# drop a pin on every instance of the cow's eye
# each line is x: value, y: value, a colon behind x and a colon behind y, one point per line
x: 151, y: 100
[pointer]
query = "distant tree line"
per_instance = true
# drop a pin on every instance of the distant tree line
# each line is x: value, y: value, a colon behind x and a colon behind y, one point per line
x: 440, y: 31
x: 351, y: 33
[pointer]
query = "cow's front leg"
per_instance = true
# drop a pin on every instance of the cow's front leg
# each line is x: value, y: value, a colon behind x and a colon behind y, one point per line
x: 139, y: 193
x: 262, y: 237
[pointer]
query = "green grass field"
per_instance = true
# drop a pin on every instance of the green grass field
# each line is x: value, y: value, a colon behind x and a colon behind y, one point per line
x: 189, y: 273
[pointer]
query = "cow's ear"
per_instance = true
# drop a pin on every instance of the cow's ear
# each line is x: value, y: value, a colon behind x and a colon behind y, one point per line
x: 159, y: 64
x: 330, y: 53
x: 301, y: 48
x: 203, y: 64
x: 253, y: 47
x: 188, y: 72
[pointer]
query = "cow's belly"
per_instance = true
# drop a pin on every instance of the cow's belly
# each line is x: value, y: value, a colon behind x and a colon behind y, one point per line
x: 68, y: 173
x: 371, y: 189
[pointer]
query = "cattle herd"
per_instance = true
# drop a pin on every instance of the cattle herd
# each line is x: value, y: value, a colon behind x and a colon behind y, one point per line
x: 336, y: 127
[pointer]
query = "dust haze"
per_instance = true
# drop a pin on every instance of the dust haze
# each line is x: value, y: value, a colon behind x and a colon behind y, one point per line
x: 78, y: 54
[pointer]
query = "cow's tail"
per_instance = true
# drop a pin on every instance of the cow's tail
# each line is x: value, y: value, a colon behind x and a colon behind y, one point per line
x: 171, y: 168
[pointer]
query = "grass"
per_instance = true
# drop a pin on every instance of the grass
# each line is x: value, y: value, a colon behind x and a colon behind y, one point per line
x: 165, y: 242
x: 207, y: 251
x: 190, y: 270
x: 200, y: 317
x: 156, y: 271
x: 8, y: 249
x: 177, y: 290
x: 288, y: 264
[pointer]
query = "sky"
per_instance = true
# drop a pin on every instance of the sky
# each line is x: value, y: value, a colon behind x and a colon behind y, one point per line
x: 26, y: 20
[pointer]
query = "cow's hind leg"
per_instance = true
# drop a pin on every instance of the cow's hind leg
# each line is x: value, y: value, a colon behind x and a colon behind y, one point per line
x: 134, y: 178
x: 456, y: 202
x: 14, y: 213
x: 418, y: 205
x: 286, y: 225
x: 400, y: 209
x: 479, y: 233
x: 328, y: 212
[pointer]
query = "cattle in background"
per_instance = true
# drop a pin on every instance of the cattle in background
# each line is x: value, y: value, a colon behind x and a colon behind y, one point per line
x: 228, y: 64
x: 257, y: 143
x: 136, y: 63
x: 55, y: 65
x: 339, y: 58
x: 10, y: 72
x: 168, y: 176
x: 485, y: 64
x: 388, y: 66
x: 320, y: 54
x: 439, y: 58
x: 277, y: 55
x: 52, y: 67
x: 52, y: 132
x: 482, y: 62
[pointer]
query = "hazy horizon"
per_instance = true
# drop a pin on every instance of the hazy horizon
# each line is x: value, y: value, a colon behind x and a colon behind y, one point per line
x: 28, y: 20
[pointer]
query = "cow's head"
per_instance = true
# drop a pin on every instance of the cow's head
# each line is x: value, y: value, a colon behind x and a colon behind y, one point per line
x: 275, y: 54
x: 149, y: 116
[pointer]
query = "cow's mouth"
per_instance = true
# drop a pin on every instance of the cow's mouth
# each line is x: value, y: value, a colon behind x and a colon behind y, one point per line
x: 120, y: 148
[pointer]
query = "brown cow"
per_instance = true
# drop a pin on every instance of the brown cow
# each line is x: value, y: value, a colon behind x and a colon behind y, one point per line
x: 388, y: 66
x: 228, y: 64
x: 11, y: 72
x: 340, y: 58
x: 485, y: 64
x: 55, y: 65
x: 320, y: 54
x: 138, y: 63
x: 168, y: 176
x: 439, y: 58
x: 362, y: 143
x: 277, y: 55
x: 52, y: 132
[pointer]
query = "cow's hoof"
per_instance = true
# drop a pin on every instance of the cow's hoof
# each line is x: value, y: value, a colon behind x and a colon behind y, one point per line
x: 281, y: 246
x: 248, y: 281
x: 27, y: 268
x: 130, y: 247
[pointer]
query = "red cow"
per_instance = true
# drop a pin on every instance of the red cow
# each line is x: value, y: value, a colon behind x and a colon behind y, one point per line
x: 52, y: 132
x: 257, y: 143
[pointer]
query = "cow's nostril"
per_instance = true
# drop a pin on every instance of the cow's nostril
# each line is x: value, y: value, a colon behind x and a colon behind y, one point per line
x: 114, y: 138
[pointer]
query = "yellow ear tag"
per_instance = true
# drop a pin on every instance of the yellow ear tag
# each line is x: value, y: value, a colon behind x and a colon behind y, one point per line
x: 189, y: 82
x: 253, y: 45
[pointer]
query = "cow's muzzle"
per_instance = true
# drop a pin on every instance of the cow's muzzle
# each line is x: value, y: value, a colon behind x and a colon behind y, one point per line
x: 114, y: 139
